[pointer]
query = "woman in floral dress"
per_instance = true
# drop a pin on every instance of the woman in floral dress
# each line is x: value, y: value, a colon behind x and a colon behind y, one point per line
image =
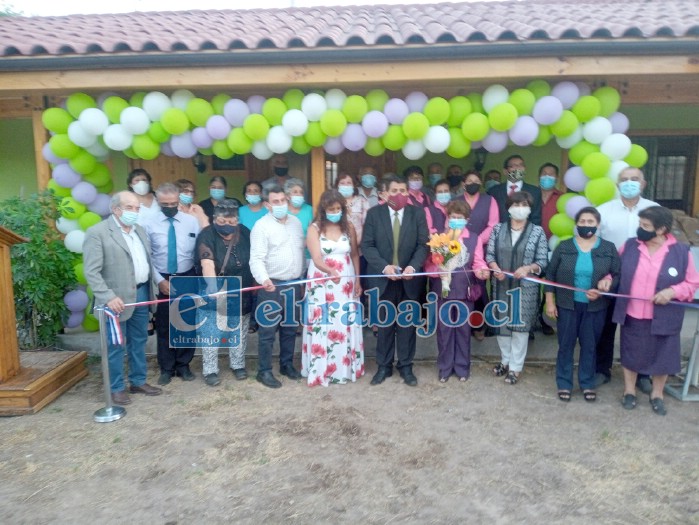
x: 333, y: 350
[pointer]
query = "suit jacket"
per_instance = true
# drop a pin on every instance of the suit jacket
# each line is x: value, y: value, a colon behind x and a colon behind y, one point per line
x: 499, y: 193
x: 377, y: 246
x: 108, y: 265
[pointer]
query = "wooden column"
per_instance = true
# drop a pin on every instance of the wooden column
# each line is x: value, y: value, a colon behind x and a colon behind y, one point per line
x: 43, y: 170
x: 9, y: 349
x: 317, y: 174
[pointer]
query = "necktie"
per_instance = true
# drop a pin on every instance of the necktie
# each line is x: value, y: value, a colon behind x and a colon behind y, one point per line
x: 513, y: 188
x: 396, y: 234
x: 171, y: 247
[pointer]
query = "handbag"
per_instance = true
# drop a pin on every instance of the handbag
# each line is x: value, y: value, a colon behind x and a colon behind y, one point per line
x: 473, y: 290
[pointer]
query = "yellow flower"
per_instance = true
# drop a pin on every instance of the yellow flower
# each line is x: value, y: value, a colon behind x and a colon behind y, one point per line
x: 454, y: 247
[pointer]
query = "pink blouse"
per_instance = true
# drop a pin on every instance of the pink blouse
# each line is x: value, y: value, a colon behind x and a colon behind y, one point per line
x: 493, y: 215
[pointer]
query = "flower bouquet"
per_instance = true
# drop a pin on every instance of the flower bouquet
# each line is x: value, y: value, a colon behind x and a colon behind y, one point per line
x: 448, y: 254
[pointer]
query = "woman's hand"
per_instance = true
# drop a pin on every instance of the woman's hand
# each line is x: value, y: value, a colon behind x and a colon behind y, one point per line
x: 497, y: 272
x: 664, y: 296
x: 604, y: 285
x: 551, y: 310
x: 592, y: 294
x: 522, y: 271
x: 334, y: 276
x: 482, y: 274
x: 357, y: 287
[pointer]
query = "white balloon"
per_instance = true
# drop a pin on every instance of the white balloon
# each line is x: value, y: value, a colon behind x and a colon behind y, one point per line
x: 553, y: 242
x: 295, y: 123
x: 182, y: 145
x: 572, y: 139
x: 93, y: 121
x: 313, y: 106
x: 494, y: 95
x: 79, y: 136
x: 278, y: 140
x: 261, y: 151
x: 66, y: 226
x: 615, y: 169
x: 117, y: 138
x: 74, y: 241
x: 596, y: 130
x: 616, y: 146
x: 335, y: 98
x: 135, y: 120
x: 155, y: 104
x: 437, y: 139
x: 181, y: 97
x: 414, y: 149
x: 567, y: 92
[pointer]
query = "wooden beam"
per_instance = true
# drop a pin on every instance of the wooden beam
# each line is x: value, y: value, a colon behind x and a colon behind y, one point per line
x: 43, y: 170
x: 15, y: 107
x: 317, y: 174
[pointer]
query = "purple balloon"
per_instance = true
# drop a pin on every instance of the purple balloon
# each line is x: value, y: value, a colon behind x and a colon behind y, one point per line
x: 49, y: 155
x: 375, y: 124
x: 65, y: 176
x: 416, y: 101
x: 396, y: 110
x: 218, y: 127
x: 575, y: 204
x: 524, y: 132
x: 76, y: 300
x: 354, y: 138
x: 620, y: 122
x: 84, y: 192
x: 567, y: 92
x: 235, y: 111
x: 495, y: 141
x: 255, y: 103
x: 182, y: 145
x: 547, y: 110
x: 575, y: 179
x: 166, y: 149
x: 101, y: 205
x: 201, y: 138
x: 476, y: 144
x: 75, y: 319
x: 583, y: 88
x: 334, y: 146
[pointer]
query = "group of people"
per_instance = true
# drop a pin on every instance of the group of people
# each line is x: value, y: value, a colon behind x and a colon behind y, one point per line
x: 380, y: 228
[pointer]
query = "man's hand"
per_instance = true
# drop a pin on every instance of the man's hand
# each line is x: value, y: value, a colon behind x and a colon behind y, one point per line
x: 392, y: 272
x: 409, y: 271
x: 268, y: 285
x: 164, y: 287
x: 116, y: 305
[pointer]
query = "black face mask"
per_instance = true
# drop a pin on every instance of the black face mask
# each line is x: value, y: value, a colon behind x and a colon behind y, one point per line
x: 472, y: 188
x: 645, y: 235
x: 225, y: 229
x: 169, y: 212
x: 281, y: 172
x: 455, y: 180
x: 586, y: 231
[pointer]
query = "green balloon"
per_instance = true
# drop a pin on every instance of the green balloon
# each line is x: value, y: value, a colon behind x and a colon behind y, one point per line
x: 565, y: 125
x: 175, y: 121
x: 415, y: 126
x: 609, y: 100
x: 540, y: 88
x: 502, y: 117
x: 582, y: 149
x: 599, y: 191
x: 238, y: 142
x: 333, y: 122
x: 77, y: 102
x: 99, y: 176
x: 523, y: 100
x: 300, y: 146
x: 459, y: 146
x: 129, y: 152
x: 90, y: 323
x: 637, y: 157
x: 218, y: 102
x: 562, y: 200
x: 596, y: 165
x: 145, y: 147
x: 394, y: 138
x: 56, y: 120
x: 157, y: 132
x: 314, y: 135
x: 112, y: 107
x: 561, y: 225
x: 63, y: 147
x: 221, y: 149
x: 206, y: 151
x: 475, y: 127
x: 586, y: 108
x: 476, y: 100
x: 70, y: 208
x: 84, y: 162
x: 293, y: 98
x: 354, y: 108
x: 543, y: 137
x: 256, y: 126
x: 88, y: 219
x: 137, y: 99
x: 376, y: 100
x: 437, y: 111
x: 57, y: 189
x: 374, y: 147
x: 273, y: 110
x: 106, y: 188
x: 198, y: 111
x: 79, y: 269
x: 459, y: 108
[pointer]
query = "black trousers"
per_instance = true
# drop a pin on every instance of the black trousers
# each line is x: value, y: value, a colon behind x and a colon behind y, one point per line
x: 393, y: 336
x: 605, y: 345
x: 170, y: 360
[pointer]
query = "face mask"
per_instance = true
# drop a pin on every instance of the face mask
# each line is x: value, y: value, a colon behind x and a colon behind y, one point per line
x: 141, y: 187
x: 217, y: 194
x: 519, y: 213
x: 586, y: 231
x: 415, y: 185
x: 454, y: 180
x: 472, y: 188
x: 169, y: 212
x: 345, y: 190
x: 644, y: 235
x: 186, y: 199
x: 281, y: 172
x: 457, y: 224
x: 334, y: 217
x: 435, y: 178
x: 397, y: 201
x: 630, y: 189
x: 279, y: 212
x: 225, y: 229
x: 516, y: 175
x: 368, y: 180
x: 297, y: 201
x: 547, y: 182
x: 490, y: 184
x: 443, y: 198
x: 129, y: 218
x: 253, y: 199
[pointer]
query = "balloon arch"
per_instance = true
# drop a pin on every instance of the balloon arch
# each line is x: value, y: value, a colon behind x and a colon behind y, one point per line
x: 85, y: 131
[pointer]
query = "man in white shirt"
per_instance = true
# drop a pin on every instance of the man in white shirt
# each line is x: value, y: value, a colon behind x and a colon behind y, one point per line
x: 276, y: 258
x: 619, y: 223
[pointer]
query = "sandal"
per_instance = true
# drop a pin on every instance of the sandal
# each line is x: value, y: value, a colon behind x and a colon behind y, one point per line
x: 500, y: 370
x: 564, y: 395
x: 590, y: 396
x: 629, y: 401
x: 511, y: 378
x: 658, y: 406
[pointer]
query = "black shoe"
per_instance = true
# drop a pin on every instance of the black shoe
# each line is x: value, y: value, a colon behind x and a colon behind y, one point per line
x: 601, y: 379
x: 547, y: 330
x: 186, y: 374
x: 408, y: 377
x: 381, y: 374
x: 268, y: 379
x: 165, y: 378
x: 240, y: 374
x: 290, y: 372
x: 212, y: 379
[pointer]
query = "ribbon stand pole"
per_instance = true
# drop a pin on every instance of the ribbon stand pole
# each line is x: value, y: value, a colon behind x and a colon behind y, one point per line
x: 110, y: 412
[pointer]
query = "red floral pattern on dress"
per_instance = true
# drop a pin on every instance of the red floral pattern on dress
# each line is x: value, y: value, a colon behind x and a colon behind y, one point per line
x: 318, y: 350
x: 329, y: 297
x: 348, y: 288
x: 330, y: 370
x: 336, y: 337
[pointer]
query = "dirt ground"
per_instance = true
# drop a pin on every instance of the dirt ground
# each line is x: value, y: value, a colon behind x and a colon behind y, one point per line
x: 479, y: 452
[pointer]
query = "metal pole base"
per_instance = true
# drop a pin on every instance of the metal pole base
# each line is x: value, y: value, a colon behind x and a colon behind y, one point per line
x: 109, y: 414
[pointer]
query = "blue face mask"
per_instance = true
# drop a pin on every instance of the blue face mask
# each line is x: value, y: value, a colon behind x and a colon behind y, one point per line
x: 435, y: 178
x: 129, y: 218
x: 547, y: 182
x: 457, y: 224
x: 334, y: 217
x: 217, y: 194
x: 186, y: 199
x: 279, y: 212
x: 346, y: 191
x: 490, y: 184
x: 368, y: 180
x: 630, y: 189
x: 297, y: 201
x: 443, y: 198
x: 253, y: 199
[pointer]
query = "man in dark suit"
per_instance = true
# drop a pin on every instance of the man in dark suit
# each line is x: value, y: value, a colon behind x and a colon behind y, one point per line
x: 515, y: 169
x: 394, y: 244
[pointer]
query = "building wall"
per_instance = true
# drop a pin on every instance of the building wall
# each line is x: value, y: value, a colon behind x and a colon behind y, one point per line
x: 17, y: 166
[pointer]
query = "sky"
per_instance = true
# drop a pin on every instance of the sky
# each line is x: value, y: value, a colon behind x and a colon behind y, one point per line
x: 68, y: 7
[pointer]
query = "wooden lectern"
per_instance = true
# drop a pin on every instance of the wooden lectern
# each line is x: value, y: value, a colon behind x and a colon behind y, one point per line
x: 30, y: 382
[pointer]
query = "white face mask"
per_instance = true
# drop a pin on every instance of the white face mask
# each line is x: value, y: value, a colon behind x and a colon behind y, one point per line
x: 141, y: 187
x: 519, y: 213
